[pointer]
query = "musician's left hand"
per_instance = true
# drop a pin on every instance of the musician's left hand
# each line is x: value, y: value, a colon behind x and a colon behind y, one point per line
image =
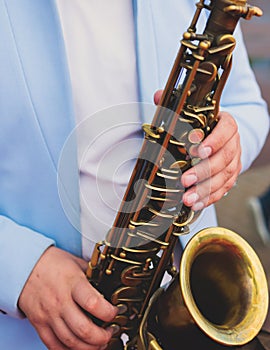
x: 215, y: 175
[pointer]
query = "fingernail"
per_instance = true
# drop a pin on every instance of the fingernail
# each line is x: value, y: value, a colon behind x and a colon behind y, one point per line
x: 193, y: 150
x: 190, y: 180
x: 205, y: 152
x: 113, y: 329
x: 191, y: 198
x: 122, y: 308
x: 198, y: 206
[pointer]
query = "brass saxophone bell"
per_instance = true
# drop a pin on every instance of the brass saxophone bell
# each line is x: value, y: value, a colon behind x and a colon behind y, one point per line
x: 219, y: 296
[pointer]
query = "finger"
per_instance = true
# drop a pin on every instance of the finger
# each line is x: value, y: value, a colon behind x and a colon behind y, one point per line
x: 226, y: 160
x: 83, y: 327
x: 211, y: 199
x: 66, y: 336
x: 85, y: 295
x: 225, y: 130
x: 157, y: 96
x: 50, y: 339
x: 211, y: 190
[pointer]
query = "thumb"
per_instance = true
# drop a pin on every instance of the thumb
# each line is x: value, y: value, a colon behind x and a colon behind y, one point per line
x: 93, y: 302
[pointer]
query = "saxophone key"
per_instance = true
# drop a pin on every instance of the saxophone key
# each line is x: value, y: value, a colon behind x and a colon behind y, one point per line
x: 181, y: 164
x: 128, y: 295
x: 133, y: 276
x: 196, y: 136
x: 122, y: 308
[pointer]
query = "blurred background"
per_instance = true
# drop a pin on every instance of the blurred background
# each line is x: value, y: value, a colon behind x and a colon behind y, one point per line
x: 233, y: 211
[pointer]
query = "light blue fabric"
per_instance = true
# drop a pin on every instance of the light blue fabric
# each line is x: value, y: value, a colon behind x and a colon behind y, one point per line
x: 36, y: 116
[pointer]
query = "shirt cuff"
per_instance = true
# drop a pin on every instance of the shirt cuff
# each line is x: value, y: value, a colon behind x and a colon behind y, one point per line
x: 20, y: 249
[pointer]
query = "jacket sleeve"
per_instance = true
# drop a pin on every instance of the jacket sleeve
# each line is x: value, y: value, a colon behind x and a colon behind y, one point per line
x: 242, y: 99
x: 20, y: 249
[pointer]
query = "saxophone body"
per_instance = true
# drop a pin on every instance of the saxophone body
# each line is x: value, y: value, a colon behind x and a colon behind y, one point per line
x: 203, y: 300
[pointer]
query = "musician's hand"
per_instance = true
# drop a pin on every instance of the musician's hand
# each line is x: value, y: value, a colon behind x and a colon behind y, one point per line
x: 53, y: 298
x: 215, y: 175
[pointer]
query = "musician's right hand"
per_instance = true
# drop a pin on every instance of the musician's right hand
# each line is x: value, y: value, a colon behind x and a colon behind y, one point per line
x: 54, y: 297
x: 217, y: 172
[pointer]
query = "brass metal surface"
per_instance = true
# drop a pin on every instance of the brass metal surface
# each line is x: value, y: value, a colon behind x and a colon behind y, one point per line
x: 221, y: 288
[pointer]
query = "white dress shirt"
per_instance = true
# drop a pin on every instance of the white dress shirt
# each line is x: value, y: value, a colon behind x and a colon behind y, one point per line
x: 100, y: 47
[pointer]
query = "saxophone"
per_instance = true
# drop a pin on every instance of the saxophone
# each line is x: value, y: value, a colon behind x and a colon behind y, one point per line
x: 220, y: 294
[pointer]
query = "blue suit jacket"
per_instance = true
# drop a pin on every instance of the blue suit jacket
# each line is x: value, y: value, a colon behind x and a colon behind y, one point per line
x: 36, y: 115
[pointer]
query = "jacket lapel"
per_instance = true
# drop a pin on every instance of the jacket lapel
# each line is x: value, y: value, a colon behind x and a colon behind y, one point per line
x: 36, y: 49
x: 37, y: 34
x: 146, y: 55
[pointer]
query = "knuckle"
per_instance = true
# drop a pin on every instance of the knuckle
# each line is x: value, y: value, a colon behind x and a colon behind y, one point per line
x: 98, y: 336
x: 226, y: 188
x: 111, y: 313
x: 39, y: 320
x: 50, y: 342
x: 203, y: 171
x: 228, y: 173
x: 227, y: 156
x: 91, y: 302
x: 70, y: 342
x: 83, y: 331
x: 107, y: 337
x: 231, y: 182
x: 228, y: 181
x: 214, y: 197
